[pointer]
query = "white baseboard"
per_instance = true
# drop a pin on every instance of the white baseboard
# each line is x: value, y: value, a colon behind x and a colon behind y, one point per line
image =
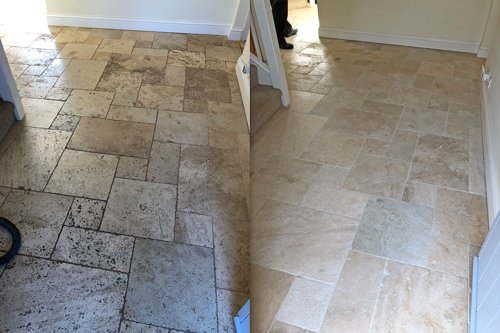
x: 207, y: 28
x: 244, y: 83
x: 235, y: 34
x: 483, y: 52
x: 430, y: 43
x: 492, y: 190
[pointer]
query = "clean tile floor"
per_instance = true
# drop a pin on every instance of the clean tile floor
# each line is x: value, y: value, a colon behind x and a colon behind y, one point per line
x: 368, y: 193
x: 128, y: 182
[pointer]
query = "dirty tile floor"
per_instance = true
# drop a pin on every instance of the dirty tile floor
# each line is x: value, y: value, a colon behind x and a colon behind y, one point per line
x: 127, y: 181
x: 368, y: 194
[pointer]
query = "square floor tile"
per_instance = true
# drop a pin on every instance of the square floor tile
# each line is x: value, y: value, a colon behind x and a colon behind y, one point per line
x: 65, y: 123
x: 95, y: 249
x: 437, y: 300
x: 182, y: 127
x: 85, y: 213
x: 39, y: 217
x: 83, y: 174
x: 377, y: 175
x: 40, y: 112
x: 141, y: 209
x: 113, y: 137
x: 395, y: 230
x: 82, y: 74
x: 88, y: 103
x: 184, y: 298
x: 163, y: 164
x: 58, y: 296
x: 157, y: 96
x: 35, y: 152
x: 207, y: 84
x: 194, y: 229
x: 132, y: 168
x: 441, y: 161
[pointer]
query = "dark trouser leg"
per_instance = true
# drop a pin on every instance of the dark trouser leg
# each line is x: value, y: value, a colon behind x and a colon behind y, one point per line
x: 288, y: 27
x: 280, y: 15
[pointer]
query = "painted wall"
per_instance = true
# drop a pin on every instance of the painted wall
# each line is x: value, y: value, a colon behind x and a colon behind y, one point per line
x: 458, y: 22
x: 198, y: 16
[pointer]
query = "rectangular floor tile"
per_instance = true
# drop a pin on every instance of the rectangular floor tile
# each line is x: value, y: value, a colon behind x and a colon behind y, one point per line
x: 182, y: 127
x: 155, y: 96
x: 184, y: 298
x: 85, y: 213
x: 163, y: 164
x: 34, y: 86
x: 126, y: 113
x: 82, y: 74
x: 194, y: 229
x: 142, y: 209
x: 96, y: 249
x: 40, y: 112
x: 207, y: 84
x: 113, y: 137
x: 88, y: 103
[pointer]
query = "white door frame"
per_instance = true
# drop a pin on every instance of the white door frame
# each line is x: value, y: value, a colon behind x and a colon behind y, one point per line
x: 8, y: 88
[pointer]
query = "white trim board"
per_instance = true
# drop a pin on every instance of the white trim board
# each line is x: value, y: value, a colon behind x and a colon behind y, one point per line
x: 244, y: 83
x: 235, y: 34
x: 430, y: 43
x: 207, y: 28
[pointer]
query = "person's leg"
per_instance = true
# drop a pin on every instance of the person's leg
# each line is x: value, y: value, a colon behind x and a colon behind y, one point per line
x: 289, y: 30
x: 280, y: 13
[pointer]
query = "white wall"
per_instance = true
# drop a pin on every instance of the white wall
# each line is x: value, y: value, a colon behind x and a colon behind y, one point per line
x: 491, y: 125
x: 191, y: 16
x: 448, y: 24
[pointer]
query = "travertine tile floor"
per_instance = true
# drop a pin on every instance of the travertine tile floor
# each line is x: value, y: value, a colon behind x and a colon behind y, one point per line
x: 127, y: 181
x: 368, y: 192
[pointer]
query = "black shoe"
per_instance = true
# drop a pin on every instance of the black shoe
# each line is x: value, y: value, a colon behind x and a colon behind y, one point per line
x: 286, y: 46
x: 291, y: 32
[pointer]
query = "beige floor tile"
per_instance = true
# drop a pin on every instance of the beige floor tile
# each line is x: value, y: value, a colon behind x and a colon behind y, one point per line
x: 403, y: 145
x: 175, y: 76
x: 194, y: 229
x: 385, y: 108
x: 116, y: 46
x: 77, y: 51
x: 88, y: 103
x: 441, y: 161
x: 71, y: 36
x: 436, y: 69
x: 32, y: 57
x: 136, y: 63
x: 367, y: 124
x: 36, y: 151
x: 355, y: 297
x: 207, y: 84
x: 282, y: 238
x: 85, y: 213
x: 339, y: 98
x: 138, y: 35
x: 305, y: 304
x: 127, y: 83
x: 56, y: 67
x: 423, y: 120
x: 163, y: 164
x: 150, y: 52
x: 161, y: 97
x: 226, y: 117
x: 375, y: 147
x: 113, y: 137
x: 379, y: 176
x: 427, y: 297
x: 170, y: 41
x: 132, y: 168
x: 304, y: 82
x: 303, y: 102
x: 103, y: 33
x: 17, y: 70
x: 22, y: 39
x: 464, y: 115
x: 40, y: 112
x: 65, y: 123
x: 182, y: 127
x: 83, y: 174
x: 35, y: 70
x: 127, y: 113
x: 420, y: 194
x: 34, y: 86
x: 141, y: 209
x: 458, y: 132
x: 476, y: 160
x: 223, y: 53
x: 82, y: 74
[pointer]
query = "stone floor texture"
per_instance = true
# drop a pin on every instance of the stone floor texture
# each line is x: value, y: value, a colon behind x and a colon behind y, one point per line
x: 127, y: 181
x: 368, y: 191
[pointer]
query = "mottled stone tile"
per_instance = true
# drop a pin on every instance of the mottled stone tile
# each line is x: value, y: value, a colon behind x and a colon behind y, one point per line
x: 441, y: 161
x: 4, y: 192
x: 60, y: 291
x: 85, y: 213
x: 141, y: 209
x: 95, y: 249
x: 207, y: 84
x: 40, y: 112
x: 210, y: 182
x: 458, y: 132
x: 88, y: 103
x: 185, y: 298
x: 127, y: 113
x: 17, y: 70
x: 161, y: 97
x: 331, y: 175
x: 138, y: 35
x: 19, y: 38
x: 438, y: 105
x: 395, y: 230
x: 116, y: 46
x: 71, y: 36
x: 460, y: 219
x: 78, y: 51
x: 170, y: 41
x: 353, y: 303
x: 103, y: 33
x: 182, y: 127
x: 227, y: 117
x: 378, y: 175
x: 367, y: 124
x: 199, y: 39
x: 194, y: 229
x: 186, y: 59
x: 228, y: 305
x: 465, y: 115
x: 385, y: 108
x: 335, y: 148
x: 125, y: 99
x: 423, y: 120
x: 223, y: 53
x: 149, y: 52
x: 420, y: 194
x: 305, y: 304
x: 65, y: 123
x: 125, y: 82
x: 34, y: 86
x: 36, y: 152
x: 133, y: 327
x: 113, y: 137
x: 282, y: 235
x: 476, y: 163
x: 57, y: 67
x: 30, y: 56
x: 39, y: 218
x: 432, y: 295
x: 303, y: 102
x: 82, y: 74
x: 325, y: 197
x: 232, y: 254
x: 58, y: 94
x: 195, y: 105
x: 136, y: 63
x: 163, y: 164
x: 132, y: 168
x: 83, y: 174
x: 375, y: 147
x: 175, y: 76
x: 35, y: 70
x: 304, y: 82
x: 403, y: 145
